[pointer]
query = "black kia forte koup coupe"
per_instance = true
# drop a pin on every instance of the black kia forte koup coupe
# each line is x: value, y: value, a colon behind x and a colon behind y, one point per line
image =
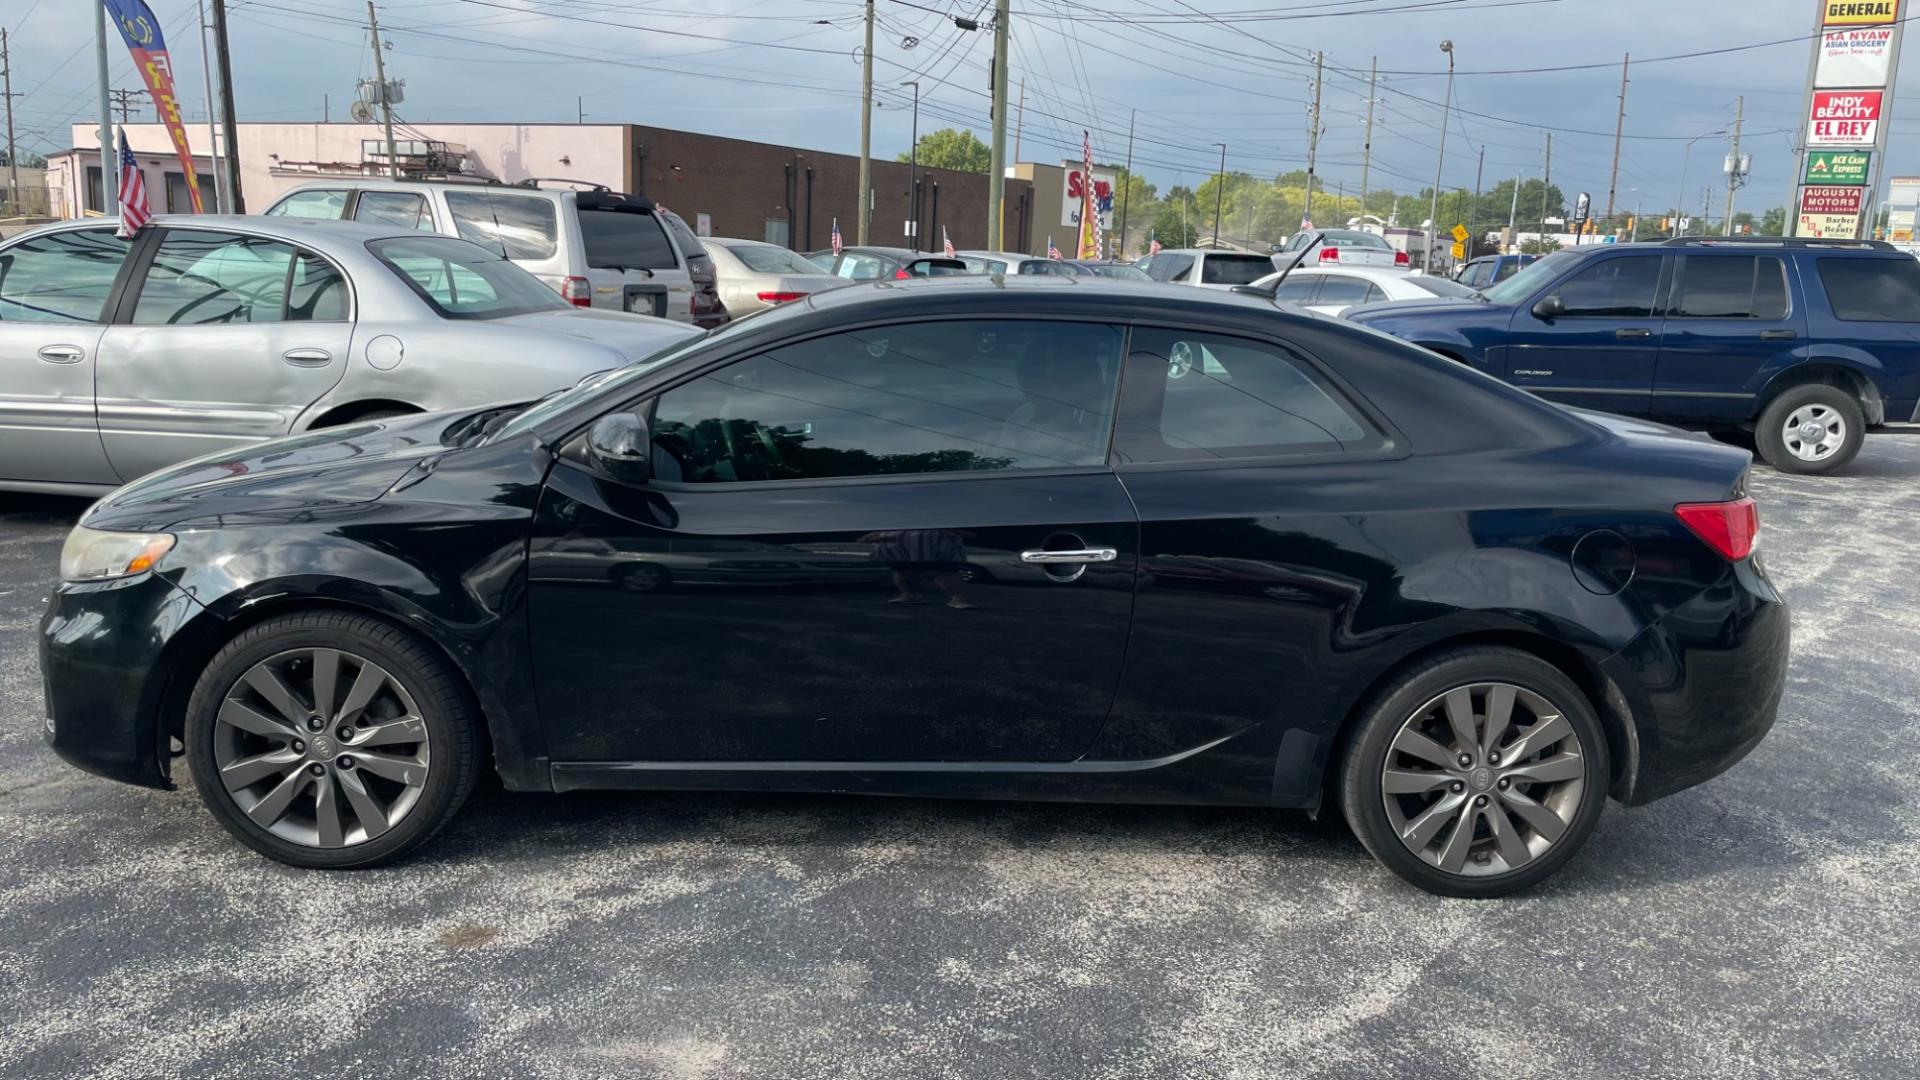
x: 958, y: 537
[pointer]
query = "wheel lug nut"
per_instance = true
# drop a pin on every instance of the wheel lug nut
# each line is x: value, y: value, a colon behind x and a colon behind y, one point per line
x: 1466, y: 760
x: 346, y: 734
x: 1505, y: 783
x: 1479, y: 800
x: 315, y: 723
x: 346, y: 762
x: 317, y: 769
x: 1493, y: 759
x: 1457, y: 786
x: 299, y: 747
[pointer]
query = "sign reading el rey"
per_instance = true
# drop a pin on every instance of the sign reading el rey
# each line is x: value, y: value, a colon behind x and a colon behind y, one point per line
x: 1837, y: 166
x: 1844, y: 117
x: 1860, y: 12
x: 1076, y: 185
x: 1854, y: 57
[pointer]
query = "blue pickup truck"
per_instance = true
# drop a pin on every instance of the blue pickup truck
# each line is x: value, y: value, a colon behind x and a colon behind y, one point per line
x: 1808, y: 344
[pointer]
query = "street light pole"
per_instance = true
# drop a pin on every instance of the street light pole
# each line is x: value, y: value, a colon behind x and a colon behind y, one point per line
x: 1219, y: 189
x: 1433, y: 208
x: 913, y: 170
x: 997, y: 151
x: 1681, y: 210
x: 109, y: 175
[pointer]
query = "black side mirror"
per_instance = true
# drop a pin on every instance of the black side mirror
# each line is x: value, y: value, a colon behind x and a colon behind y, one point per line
x: 1550, y: 307
x: 619, y: 445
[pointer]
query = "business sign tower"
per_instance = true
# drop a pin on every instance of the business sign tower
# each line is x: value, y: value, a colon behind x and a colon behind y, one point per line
x: 1850, y: 77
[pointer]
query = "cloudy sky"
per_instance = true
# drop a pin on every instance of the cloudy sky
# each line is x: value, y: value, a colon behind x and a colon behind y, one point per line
x: 1197, y: 73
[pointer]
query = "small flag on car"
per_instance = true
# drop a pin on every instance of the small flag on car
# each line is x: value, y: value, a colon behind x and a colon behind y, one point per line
x: 1305, y: 223
x: 946, y: 242
x: 836, y: 236
x: 1153, y: 246
x: 1052, y: 252
x: 135, y: 210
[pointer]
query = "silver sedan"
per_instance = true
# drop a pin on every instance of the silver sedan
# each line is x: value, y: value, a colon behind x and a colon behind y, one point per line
x: 754, y: 275
x: 119, y: 357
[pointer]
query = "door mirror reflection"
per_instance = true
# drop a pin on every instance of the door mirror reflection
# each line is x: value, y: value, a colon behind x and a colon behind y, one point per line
x: 619, y: 446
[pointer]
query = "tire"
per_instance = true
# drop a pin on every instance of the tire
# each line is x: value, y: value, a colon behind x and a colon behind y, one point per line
x: 415, y: 721
x: 1540, y: 823
x: 1805, y: 409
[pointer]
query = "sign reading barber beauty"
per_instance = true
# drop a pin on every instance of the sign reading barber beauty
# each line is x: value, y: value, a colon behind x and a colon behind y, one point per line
x: 1844, y: 117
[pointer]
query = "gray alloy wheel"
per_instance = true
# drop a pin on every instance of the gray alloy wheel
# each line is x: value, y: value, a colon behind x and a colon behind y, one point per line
x: 1484, y: 779
x: 1811, y: 428
x: 322, y: 747
x: 1814, y: 432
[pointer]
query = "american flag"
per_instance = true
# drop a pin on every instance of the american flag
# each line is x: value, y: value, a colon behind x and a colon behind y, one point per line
x: 135, y: 211
x: 836, y: 236
x: 946, y: 242
x: 1305, y: 223
x: 1153, y: 246
x: 1052, y: 252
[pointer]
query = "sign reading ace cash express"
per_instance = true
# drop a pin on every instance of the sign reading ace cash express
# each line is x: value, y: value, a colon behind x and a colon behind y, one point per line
x: 1837, y: 167
x: 1844, y: 117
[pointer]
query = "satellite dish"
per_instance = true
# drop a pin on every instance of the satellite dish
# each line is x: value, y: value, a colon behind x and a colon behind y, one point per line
x: 361, y: 112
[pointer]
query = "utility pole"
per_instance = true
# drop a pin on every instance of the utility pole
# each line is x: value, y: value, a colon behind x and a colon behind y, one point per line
x: 1433, y: 210
x: 1020, y: 120
x: 1513, y: 212
x: 109, y: 174
x: 1219, y: 190
x: 386, y: 98
x: 1313, y: 136
x: 1479, y: 174
x: 123, y: 100
x: 1545, y: 183
x: 579, y: 110
x: 1619, y: 124
x: 913, y: 173
x: 6, y: 95
x: 1733, y: 173
x: 236, y: 200
x: 1126, y: 193
x: 213, y: 135
x: 865, y: 214
x: 1366, y: 146
x: 997, y: 155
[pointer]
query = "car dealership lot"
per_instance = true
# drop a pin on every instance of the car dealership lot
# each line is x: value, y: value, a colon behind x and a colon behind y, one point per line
x: 1761, y: 925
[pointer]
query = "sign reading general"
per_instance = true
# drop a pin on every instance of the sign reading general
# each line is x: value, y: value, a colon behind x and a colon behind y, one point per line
x: 1854, y: 57
x: 1860, y: 12
x: 1837, y: 166
x: 1844, y: 117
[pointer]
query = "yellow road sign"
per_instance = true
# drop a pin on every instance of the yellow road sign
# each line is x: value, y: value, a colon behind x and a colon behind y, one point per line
x: 1460, y: 233
x: 1459, y: 251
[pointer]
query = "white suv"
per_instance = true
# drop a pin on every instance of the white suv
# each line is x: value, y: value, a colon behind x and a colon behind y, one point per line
x: 597, y: 248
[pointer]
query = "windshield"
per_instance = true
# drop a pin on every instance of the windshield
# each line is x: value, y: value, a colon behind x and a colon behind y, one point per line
x: 465, y: 281
x: 1440, y: 286
x: 1522, y: 285
x: 554, y: 404
x: 767, y: 259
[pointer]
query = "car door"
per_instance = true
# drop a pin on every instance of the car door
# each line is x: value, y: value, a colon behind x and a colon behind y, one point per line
x: 54, y: 290
x: 897, y: 543
x: 1729, y: 320
x: 222, y: 338
x: 1598, y: 350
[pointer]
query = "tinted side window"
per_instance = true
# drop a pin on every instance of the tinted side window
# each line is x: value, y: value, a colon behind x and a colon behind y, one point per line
x: 1618, y: 288
x: 919, y: 398
x: 1506, y: 269
x: 310, y: 204
x: 1872, y: 290
x: 1204, y: 396
x: 1234, y: 269
x: 1341, y: 289
x: 318, y: 293
x: 403, y: 209
x: 61, y: 278
x: 1732, y: 287
x: 1298, y: 288
x: 1169, y: 267
x: 516, y: 226
x: 198, y: 278
x: 625, y: 240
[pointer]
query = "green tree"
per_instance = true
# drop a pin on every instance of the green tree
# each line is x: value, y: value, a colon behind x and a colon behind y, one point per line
x: 950, y: 149
x: 1133, y: 208
x: 1175, y: 220
x: 1773, y: 222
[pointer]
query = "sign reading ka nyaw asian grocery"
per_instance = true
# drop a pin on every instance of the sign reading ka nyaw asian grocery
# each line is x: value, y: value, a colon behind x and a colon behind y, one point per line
x: 1860, y: 12
x: 1844, y: 117
x: 1837, y: 167
x: 1854, y: 57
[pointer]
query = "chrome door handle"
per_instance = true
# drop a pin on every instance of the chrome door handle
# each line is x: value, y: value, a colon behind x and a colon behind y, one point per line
x: 307, y: 357
x: 1082, y: 555
x: 63, y: 354
x: 1641, y: 332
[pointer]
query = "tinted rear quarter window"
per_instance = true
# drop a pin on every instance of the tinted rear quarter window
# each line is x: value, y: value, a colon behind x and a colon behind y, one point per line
x: 1872, y: 290
x: 1168, y: 267
x: 1732, y: 287
x: 625, y: 240
x: 1234, y: 269
x: 517, y: 226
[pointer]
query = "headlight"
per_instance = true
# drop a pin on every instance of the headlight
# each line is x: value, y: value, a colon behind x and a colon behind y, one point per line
x: 93, y: 555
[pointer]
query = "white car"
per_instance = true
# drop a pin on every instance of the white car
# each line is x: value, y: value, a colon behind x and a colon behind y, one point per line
x: 1209, y: 268
x: 1331, y: 291
x: 1340, y: 247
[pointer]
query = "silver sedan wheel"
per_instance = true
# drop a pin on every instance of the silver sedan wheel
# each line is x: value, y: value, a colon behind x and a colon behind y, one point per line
x: 1814, y: 432
x: 1483, y: 779
x: 322, y: 748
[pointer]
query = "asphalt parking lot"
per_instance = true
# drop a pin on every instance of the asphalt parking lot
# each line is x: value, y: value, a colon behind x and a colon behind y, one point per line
x: 1764, y: 925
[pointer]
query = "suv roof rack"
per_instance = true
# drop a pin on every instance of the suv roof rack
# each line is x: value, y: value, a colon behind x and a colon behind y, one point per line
x: 600, y: 198
x: 1779, y: 241
x: 536, y: 181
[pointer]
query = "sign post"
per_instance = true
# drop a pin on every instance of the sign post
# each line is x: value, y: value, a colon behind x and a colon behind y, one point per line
x: 1850, y: 95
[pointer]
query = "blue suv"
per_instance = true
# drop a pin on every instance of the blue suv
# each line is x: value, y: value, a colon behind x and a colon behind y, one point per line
x: 1808, y: 344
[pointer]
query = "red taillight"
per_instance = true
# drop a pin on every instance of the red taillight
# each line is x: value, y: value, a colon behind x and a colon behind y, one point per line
x: 778, y: 297
x: 1400, y: 259
x: 902, y: 275
x: 577, y: 292
x: 1730, y: 528
x: 1328, y: 254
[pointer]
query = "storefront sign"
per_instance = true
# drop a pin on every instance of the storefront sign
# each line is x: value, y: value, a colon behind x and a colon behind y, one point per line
x: 1071, y: 190
x: 1830, y: 212
x: 1837, y: 166
x: 1860, y: 12
x: 1854, y: 57
x: 1844, y: 117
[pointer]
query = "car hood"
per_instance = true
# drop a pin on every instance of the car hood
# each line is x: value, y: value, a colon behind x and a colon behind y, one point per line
x: 632, y: 336
x: 347, y: 465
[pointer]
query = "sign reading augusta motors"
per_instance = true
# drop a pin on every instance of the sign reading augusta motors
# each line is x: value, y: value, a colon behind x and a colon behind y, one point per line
x: 1829, y: 212
x: 1844, y: 117
x: 1837, y: 166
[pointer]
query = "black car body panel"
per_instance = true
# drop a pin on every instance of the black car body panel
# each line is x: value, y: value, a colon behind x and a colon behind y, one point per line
x: 1217, y: 658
